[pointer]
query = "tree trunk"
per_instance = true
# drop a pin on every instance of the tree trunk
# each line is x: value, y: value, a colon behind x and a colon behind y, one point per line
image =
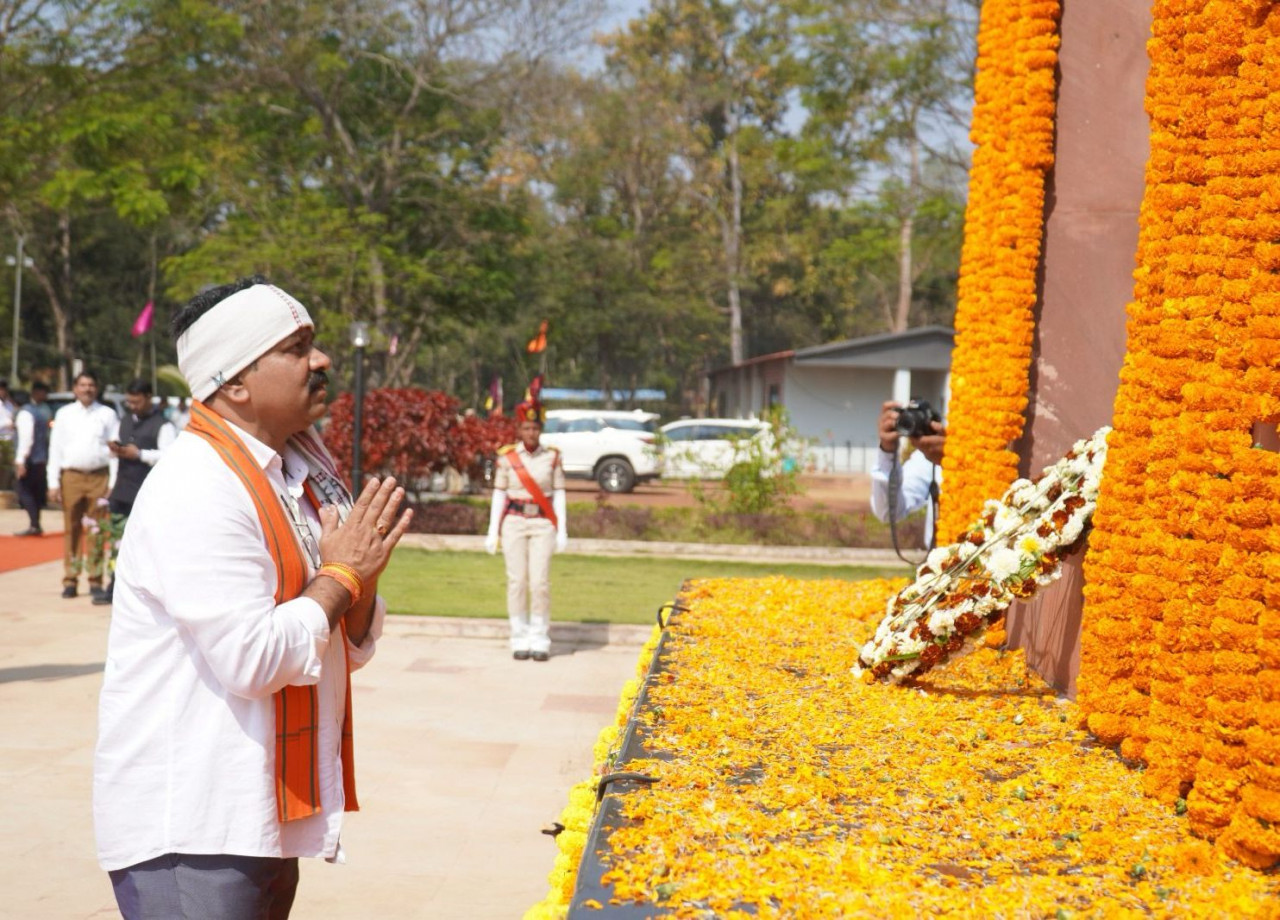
x: 62, y: 312
x: 906, y: 273
x: 606, y: 382
x: 733, y: 237
x: 378, y: 282
x: 59, y: 317
x: 902, y: 312
x: 401, y: 365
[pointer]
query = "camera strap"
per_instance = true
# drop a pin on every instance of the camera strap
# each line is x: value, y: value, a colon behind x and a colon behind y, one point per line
x: 895, y: 490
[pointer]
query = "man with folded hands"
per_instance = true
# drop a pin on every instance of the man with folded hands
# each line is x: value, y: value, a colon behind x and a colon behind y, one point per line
x: 245, y: 594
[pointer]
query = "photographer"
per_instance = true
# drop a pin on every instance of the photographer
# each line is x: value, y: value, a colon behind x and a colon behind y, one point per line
x: 919, y: 473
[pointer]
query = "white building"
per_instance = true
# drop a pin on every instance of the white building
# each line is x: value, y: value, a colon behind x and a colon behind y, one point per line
x: 833, y: 393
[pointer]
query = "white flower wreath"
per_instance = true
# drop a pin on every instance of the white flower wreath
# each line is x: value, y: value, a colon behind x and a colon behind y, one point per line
x: 1016, y: 546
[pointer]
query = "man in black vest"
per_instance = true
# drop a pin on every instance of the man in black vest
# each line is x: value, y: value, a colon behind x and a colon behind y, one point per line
x: 144, y: 433
x: 33, y: 457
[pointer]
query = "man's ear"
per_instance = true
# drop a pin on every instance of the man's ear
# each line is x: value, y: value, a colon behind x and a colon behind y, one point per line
x: 234, y: 392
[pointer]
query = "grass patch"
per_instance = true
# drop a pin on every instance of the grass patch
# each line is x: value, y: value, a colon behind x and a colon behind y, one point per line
x: 588, y: 589
x: 610, y: 520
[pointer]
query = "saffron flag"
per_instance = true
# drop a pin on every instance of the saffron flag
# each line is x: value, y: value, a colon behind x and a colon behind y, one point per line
x: 538, y: 342
x: 142, y: 325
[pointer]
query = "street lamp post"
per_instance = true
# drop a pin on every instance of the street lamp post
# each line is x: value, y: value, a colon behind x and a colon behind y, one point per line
x: 359, y: 332
x: 18, y: 264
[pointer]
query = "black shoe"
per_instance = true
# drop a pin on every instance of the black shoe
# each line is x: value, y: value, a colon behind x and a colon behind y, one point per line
x: 103, y: 599
x: 97, y: 592
x: 30, y: 532
x: 69, y: 591
x: 541, y: 656
x: 520, y: 655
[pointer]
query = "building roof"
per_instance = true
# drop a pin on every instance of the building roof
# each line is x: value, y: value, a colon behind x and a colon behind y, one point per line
x: 922, y: 348
x: 925, y: 348
x: 567, y: 394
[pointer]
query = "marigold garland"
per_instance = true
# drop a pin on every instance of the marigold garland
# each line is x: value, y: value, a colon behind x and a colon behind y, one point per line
x: 1180, y: 657
x: 787, y: 790
x: 1013, y: 130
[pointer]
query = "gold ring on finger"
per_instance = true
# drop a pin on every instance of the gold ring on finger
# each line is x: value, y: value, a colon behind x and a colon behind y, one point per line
x: 382, y: 529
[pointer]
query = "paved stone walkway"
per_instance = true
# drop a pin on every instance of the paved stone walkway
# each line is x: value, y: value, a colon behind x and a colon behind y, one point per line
x: 463, y: 756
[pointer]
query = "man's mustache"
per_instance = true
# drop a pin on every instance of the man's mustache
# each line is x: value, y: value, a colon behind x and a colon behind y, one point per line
x: 317, y: 380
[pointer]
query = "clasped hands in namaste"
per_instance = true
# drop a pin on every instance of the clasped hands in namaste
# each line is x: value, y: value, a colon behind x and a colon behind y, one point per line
x: 371, y: 531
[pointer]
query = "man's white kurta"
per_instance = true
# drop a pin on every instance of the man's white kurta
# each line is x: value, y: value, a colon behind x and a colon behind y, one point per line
x: 185, y: 761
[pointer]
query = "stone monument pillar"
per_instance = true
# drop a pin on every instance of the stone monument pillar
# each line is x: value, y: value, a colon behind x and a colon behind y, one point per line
x: 1086, y: 279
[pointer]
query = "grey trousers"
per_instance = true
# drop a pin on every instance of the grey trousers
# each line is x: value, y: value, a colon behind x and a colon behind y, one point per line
x: 190, y: 887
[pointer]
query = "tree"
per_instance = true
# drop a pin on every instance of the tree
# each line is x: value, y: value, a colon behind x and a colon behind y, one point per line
x: 619, y: 262
x: 729, y: 67
x: 889, y: 79
x: 98, y: 129
x: 378, y: 122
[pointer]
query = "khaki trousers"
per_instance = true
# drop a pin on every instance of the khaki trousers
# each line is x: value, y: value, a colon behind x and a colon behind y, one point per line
x: 82, y: 550
x: 527, y: 545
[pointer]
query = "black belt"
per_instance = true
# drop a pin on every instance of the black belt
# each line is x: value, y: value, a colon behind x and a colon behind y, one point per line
x: 524, y: 509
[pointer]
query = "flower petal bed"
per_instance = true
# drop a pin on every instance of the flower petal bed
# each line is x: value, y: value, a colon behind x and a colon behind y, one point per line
x: 794, y: 790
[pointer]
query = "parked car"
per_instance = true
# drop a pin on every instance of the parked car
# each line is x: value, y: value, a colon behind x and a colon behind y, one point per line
x: 617, y: 449
x: 112, y: 398
x: 706, y: 448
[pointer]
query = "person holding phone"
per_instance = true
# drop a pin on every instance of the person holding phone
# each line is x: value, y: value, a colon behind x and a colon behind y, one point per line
x: 144, y: 435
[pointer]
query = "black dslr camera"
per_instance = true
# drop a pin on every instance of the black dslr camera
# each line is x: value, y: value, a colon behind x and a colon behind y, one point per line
x: 915, y: 418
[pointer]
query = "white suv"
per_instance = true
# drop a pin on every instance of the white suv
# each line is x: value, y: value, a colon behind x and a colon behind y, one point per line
x: 707, y: 448
x: 616, y: 449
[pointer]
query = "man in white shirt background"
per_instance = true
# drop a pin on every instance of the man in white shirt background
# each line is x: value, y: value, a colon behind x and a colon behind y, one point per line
x: 80, y: 472
x: 246, y: 591
x: 8, y: 413
x: 899, y: 488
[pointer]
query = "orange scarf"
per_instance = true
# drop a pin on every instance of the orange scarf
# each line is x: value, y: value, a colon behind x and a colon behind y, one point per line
x: 297, y: 709
x: 526, y: 480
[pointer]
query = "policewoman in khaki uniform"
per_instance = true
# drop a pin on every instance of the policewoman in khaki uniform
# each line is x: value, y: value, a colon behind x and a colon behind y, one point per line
x: 528, y: 513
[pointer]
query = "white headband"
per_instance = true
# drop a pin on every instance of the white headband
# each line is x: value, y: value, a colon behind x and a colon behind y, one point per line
x: 234, y: 334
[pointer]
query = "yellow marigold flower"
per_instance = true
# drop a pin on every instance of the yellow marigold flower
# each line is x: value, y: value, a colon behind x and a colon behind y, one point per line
x: 1196, y: 858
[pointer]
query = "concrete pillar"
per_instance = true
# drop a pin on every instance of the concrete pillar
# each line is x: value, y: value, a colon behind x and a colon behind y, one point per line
x: 902, y: 385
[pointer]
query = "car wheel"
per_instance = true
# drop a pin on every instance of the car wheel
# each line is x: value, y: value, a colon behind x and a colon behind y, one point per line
x: 615, y: 475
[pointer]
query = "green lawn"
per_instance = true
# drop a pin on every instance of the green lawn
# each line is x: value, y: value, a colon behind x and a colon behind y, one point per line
x: 583, y: 588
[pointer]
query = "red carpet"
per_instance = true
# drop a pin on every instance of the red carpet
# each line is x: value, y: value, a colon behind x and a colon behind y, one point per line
x: 20, y: 552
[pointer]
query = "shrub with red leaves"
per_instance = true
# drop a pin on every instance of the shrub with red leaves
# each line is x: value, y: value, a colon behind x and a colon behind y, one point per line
x: 477, y: 439
x: 411, y: 433
x: 406, y: 432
